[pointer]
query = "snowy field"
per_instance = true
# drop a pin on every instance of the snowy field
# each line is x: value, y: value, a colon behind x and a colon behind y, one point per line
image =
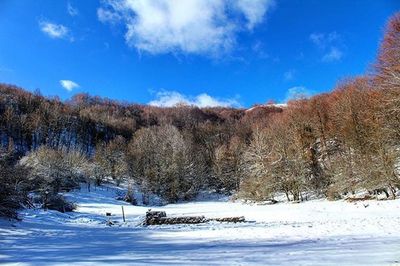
x: 310, y: 233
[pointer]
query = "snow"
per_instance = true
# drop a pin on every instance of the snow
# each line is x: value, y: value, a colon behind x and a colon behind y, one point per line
x: 317, y: 232
x: 280, y: 105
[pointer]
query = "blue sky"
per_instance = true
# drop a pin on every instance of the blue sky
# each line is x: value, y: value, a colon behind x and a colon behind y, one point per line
x: 204, y: 52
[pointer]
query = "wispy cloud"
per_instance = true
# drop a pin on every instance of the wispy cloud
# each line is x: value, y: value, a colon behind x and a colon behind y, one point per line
x: 108, y: 16
x: 207, y: 27
x: 317, y: 38
x: 330, y: 45
x: 298, y: 92
x: 289, y: 75
x: 69, y: 85
x: 173, y: 98
x: 334, y: 54
x: 55, y: 31
x: 253, y: 10
x: 72, y: 11
x: 259, y: 50
x: 324, y: 39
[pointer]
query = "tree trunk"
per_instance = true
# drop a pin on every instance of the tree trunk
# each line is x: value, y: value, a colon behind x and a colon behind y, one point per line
x: 393, y: 191
x: 287, y: 196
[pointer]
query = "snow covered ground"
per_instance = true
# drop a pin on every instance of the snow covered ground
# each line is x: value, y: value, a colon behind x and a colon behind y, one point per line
x: 317, y: 232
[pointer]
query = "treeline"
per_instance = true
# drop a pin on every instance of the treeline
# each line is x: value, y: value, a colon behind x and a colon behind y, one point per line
x: 168, y: 152
x: 30, y: 120
x: 330, y: 145
x: 336, y: 143
x: 333, y: 144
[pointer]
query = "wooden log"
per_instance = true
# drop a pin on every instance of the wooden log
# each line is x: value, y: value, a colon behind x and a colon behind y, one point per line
x: 175, y: 220
x: 153, y: 217
x: 160, y: 217
x: 239, y: 219
x: 183, y: 220
x: 155, y: 214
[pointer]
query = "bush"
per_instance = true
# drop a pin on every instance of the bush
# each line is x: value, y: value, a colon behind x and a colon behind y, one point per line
x: 59, y: 203
x: 9, y: 207
x: 14, y: 185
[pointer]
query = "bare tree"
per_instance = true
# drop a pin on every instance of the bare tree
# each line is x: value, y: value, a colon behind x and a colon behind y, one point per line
x: 227, y: 165
x: 110, y: 160
x: 161, y: 161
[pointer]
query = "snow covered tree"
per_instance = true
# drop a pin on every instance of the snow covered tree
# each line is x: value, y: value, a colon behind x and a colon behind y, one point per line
x: 227, y: 165
x: 56, y: 169
x: 258, y: 182
x: 53, y: 171
x: 110, y: 160
x: 160, y: 160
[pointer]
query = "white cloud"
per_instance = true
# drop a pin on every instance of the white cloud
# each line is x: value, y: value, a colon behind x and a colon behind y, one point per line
x: 317, y: 38
x: 187, y: 26
x: 72, y: 11
x: 55, y: 31
x: 108, y: 16
x: 298, y: 92
x: 173, y: 98
x: 289, y: 75
x: 330, y: 44
x: 334, y: 54
x: 69, y: 85
x: 253, y: 10
x: 325, y: 39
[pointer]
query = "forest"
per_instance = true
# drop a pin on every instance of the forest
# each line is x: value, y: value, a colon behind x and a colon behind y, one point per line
x: 330, y: 145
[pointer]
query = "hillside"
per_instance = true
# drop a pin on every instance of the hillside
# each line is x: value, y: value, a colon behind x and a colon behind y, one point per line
x: 318, y: 232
